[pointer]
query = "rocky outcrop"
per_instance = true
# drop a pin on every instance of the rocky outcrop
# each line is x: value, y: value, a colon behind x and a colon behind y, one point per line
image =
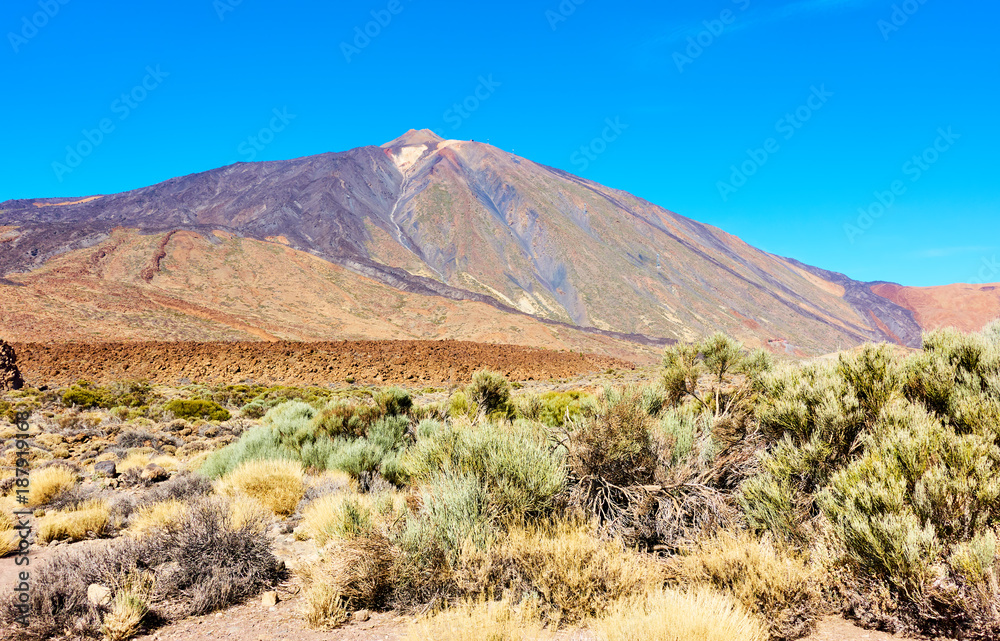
x: 10, y: 376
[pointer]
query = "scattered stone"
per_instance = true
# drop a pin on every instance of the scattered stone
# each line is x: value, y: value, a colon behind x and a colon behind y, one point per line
x: 362, y: 615
x: 10, y: 376
x: 98, y: 594
x: 269, y: 599
x: 106, y: 468
x: 154, y: 474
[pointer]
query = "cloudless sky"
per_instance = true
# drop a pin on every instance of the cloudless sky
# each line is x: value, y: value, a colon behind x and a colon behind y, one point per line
x: 556, y: 74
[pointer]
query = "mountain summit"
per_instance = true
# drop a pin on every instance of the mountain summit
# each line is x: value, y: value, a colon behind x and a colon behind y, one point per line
x: 420, y: 237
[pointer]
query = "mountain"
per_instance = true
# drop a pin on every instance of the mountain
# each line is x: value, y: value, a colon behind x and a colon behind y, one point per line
x: 419, y: 238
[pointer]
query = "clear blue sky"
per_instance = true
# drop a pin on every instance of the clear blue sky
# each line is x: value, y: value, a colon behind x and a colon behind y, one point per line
x: 880, y: 94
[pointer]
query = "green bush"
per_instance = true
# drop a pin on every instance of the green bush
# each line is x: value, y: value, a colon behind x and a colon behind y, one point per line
x: 490, y: 391
x: 394, y: 401
x: 208, y: 410
x: 899, y: 460
x: 515, y: 464
x: 86, y: 395
x: 456, y: 511
x: 559, y: 408
x: 258, y: 443
x: 346, y: 419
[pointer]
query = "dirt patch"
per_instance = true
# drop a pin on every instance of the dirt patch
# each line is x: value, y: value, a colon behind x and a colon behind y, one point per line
x: 286, y: 363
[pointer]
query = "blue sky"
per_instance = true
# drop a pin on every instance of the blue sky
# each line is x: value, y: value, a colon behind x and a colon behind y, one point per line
x: 783, y: 122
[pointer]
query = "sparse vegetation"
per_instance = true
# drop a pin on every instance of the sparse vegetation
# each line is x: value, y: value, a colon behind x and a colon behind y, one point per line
x: 728, y: 498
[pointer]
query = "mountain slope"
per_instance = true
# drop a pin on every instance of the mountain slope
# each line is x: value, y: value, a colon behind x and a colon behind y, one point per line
x: 188, y: 286
x: 458, y: 221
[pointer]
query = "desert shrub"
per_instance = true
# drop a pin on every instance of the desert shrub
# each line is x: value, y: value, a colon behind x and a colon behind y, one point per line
x: 10, y: 542
x: 897, y: 461
x: 681, y: 434
x: 198, y: 408
x: 767, y: 580
x: 556, y: 409
x: 182, y: 487
x: 86, y: 395
x: 818, y: 418
x: 669, y: 615
x: 46, y: 484
x: 378, y: 451
x: 490, y: 392
x: 219, y: 561
x: 274, y: 483
x: 614, y: 444
x: 204, y: 563
x: 571, y: 574
x: 515, y: 464
x: 394, y: 401
x: 991, y: 333
x: 137, y: 438
x: 340, y: 418
x: 716, y: 360
x: 455, y: 512
x: 459, y: 405
x: 86, y: 521
x: 353, y: 575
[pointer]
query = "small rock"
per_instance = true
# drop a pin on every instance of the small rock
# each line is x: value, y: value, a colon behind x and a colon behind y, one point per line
x: 10, y: 376
x: 106, y: 468
x: 98, y: 594
x: 269, y: 599
x: 153, y: 474
x: 362, y: 615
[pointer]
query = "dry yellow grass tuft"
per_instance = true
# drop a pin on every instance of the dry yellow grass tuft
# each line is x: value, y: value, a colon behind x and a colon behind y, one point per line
x: 575, y: 575
x: 9, y: 538
x: 667, y: 615
x: 48, y: 483
x: 135, y: 459
x: 278, y: 485
x: 88, y: 520
x: 346, y: 515
x: 354, y: 574
x: 469, y: 620
x: 159, y: 516
x: 9, y: 542
x: 129, y: 608
x: 247, y: 511
x: 141, y: 457
x: 765, y: 579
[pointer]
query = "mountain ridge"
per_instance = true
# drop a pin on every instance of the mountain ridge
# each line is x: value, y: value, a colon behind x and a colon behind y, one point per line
x: 467, y: 222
